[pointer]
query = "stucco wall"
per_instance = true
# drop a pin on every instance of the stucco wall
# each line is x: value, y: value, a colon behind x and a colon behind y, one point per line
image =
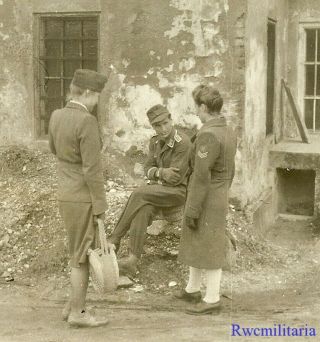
x: 17, y: 84
x: 15, y: 57
x: 257, y: 176
x: 163, y: 49
x: 160, y: 50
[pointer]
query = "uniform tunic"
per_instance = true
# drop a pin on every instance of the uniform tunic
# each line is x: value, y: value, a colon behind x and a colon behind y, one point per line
x: 146, y: 200
x: 212, y: 160
x: 74, y: 139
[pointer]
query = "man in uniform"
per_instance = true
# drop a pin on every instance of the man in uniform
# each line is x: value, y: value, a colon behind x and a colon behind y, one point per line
x: 166, y: 169
x: 74, y: 139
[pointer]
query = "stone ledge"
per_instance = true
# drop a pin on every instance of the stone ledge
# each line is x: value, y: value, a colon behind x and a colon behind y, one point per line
x: 296, y: 155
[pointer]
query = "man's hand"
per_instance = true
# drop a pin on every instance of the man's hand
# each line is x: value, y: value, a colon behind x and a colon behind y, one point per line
x: 191, y: 223
x: 170, y: 175
x: 110, y: 246
x: 101, y: 216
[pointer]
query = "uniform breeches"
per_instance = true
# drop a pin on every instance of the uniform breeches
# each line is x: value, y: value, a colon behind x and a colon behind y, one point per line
x: 140, y: 210
x: 138, y: 228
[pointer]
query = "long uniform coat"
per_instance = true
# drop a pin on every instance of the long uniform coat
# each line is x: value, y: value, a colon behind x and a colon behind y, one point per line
x: 74, y: 139
x: 212, y: 161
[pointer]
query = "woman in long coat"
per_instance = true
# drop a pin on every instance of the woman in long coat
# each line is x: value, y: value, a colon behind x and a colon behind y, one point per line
x: 74, y: 139
x: 203, y: 243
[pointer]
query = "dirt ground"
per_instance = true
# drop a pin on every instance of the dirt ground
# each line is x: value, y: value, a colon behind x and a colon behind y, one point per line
x: 288, y: 295
x: 274, y: 281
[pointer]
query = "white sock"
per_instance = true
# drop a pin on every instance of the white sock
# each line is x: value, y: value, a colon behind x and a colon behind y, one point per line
x: 194, y: 280
x: 213, y: 286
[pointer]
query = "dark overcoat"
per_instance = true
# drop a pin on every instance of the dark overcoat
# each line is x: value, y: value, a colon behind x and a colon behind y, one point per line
x: 212, y: 161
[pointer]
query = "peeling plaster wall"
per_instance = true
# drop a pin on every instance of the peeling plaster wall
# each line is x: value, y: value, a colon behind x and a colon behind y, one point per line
x: 300, y: 13
x: 257, y: 176
x: 163, y: 49
x: 15, y: 57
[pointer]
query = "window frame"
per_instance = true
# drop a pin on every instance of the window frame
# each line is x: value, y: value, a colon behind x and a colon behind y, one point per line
x: 301, y: 79
x: 270, y: 130
x: 38, y: 19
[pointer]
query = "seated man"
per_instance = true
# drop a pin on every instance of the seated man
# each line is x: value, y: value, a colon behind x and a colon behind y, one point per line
x: 167, y: 170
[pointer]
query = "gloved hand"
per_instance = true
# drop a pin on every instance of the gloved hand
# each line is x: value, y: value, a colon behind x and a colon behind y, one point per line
x: 191, y: 223
x: 170, y: 175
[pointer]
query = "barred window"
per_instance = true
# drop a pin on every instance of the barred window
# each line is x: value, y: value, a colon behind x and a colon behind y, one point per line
x: 66, y: 43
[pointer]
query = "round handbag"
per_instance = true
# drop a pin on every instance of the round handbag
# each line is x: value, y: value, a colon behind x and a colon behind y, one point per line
x: 104, y: 270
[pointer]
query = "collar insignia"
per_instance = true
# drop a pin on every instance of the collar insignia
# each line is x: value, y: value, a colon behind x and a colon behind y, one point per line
x: 177, y: 137
x: 170, y: 143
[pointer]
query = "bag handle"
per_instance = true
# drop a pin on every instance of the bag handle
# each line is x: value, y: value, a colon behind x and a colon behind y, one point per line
x: 102, y: 237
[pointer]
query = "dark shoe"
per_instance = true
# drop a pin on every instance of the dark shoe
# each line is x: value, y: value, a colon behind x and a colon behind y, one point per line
x: 128, y: 266
x: 85, y: 320
x: 204, y: 308
x: 193, y: 297
x: 66, y: 311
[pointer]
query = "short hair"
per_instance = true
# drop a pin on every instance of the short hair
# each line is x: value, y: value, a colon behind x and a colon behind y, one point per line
x: 75, y: 91
x: 204, y: 94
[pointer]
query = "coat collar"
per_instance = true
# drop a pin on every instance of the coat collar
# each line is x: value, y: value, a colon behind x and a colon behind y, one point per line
x: 216, y: 121
x: 77, y: 105
x: 174, y: 137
